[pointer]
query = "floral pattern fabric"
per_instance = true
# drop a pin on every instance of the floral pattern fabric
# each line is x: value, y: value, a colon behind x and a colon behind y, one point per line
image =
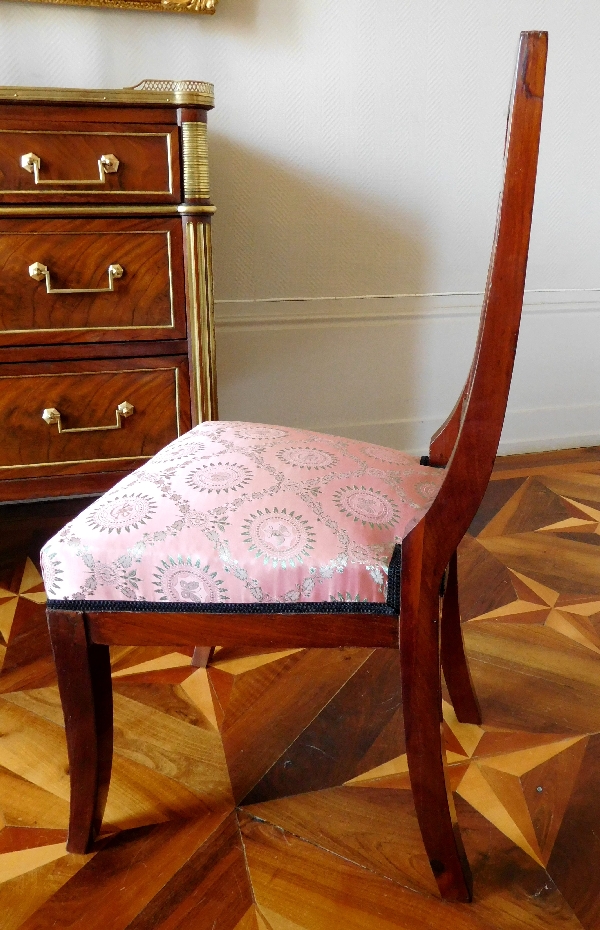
x: 243, y: 513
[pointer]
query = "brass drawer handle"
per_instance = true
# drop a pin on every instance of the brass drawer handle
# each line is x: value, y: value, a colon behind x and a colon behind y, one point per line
x: 107, y: 164
x: 51, y: 415
x: 39, y: 272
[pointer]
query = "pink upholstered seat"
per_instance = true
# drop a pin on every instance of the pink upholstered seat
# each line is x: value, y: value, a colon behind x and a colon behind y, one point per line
x: 241, y: 513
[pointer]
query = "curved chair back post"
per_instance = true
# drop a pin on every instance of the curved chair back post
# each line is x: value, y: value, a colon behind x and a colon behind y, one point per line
x: 476, y: 422
x: 467, y: 445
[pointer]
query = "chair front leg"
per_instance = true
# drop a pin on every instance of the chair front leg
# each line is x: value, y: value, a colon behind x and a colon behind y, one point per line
x: 422, y: 706
x: 202, y: 656
x: 84, y: 683
x: 454, y: 661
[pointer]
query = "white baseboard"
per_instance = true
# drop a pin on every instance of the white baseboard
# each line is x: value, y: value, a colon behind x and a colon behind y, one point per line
x: 534, y: 430
x: 336, y: 364
x: 542, y: 429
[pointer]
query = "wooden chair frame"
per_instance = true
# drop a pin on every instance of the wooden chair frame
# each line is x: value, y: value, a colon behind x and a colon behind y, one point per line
x: 428, y: 630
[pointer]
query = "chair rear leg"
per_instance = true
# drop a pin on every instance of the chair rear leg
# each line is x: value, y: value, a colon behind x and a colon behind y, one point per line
x: 454, y: 661
x: 202, y: 656
x: 85, y: 687
x: 422, y: 705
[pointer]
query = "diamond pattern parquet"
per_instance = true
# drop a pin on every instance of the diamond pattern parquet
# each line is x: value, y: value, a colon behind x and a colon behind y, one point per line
x: 270, y: 791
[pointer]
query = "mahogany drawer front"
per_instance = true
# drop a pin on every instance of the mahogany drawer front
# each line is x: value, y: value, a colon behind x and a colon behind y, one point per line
x: 88, y: 396
x: 61, y: 165
x: 142, y: 298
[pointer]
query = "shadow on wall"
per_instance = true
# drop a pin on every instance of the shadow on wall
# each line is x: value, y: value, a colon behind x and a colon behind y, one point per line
x: 278, y: 19
x: 282, y: 234
x: 277, y: 234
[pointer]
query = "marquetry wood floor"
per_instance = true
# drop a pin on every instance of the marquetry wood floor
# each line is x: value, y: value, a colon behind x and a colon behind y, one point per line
x: 270, y: 792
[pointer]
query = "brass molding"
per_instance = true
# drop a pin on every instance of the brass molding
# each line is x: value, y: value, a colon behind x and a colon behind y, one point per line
x: 60, y: 464
x: 181, y: 89
x: 108, y: 210
x: 167, y: 6
x: 178, y: 400
x: 148, y: 93
x: 190, y: 6
x: 201, y: 320
x: 190, y: 208
x: 98, y: 210
x: 194, y: 142
x: 210, y: 348
x: 194, y: 336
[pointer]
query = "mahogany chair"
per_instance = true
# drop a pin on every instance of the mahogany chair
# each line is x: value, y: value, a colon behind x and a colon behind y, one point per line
x: 328, y: 518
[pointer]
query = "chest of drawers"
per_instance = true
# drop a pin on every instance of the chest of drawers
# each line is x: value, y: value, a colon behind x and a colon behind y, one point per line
x: 106, y: 310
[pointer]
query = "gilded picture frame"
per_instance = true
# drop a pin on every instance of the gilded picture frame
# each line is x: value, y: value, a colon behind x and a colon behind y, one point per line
x: 165, y: 6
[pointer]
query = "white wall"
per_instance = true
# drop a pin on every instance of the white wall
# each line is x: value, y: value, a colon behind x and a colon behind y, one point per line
x: 356, y: 151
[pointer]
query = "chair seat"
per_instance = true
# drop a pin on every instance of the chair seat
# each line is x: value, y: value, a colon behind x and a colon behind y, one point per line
x: 238, y: 514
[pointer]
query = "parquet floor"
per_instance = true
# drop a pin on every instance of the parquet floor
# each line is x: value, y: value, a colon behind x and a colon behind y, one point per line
x: 270, y: 792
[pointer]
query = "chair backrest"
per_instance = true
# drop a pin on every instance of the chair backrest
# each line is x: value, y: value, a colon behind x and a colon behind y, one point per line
x: 468, y: 441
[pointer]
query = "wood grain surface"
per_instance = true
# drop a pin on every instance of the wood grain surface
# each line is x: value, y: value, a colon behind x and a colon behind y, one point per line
x: 147, y: 301
x: 148, y: 163
x: 87, y: 395
x: 324, y: 834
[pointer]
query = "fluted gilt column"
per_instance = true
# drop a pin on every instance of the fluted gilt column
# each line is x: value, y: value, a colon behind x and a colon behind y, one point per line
x: 196, y: 213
